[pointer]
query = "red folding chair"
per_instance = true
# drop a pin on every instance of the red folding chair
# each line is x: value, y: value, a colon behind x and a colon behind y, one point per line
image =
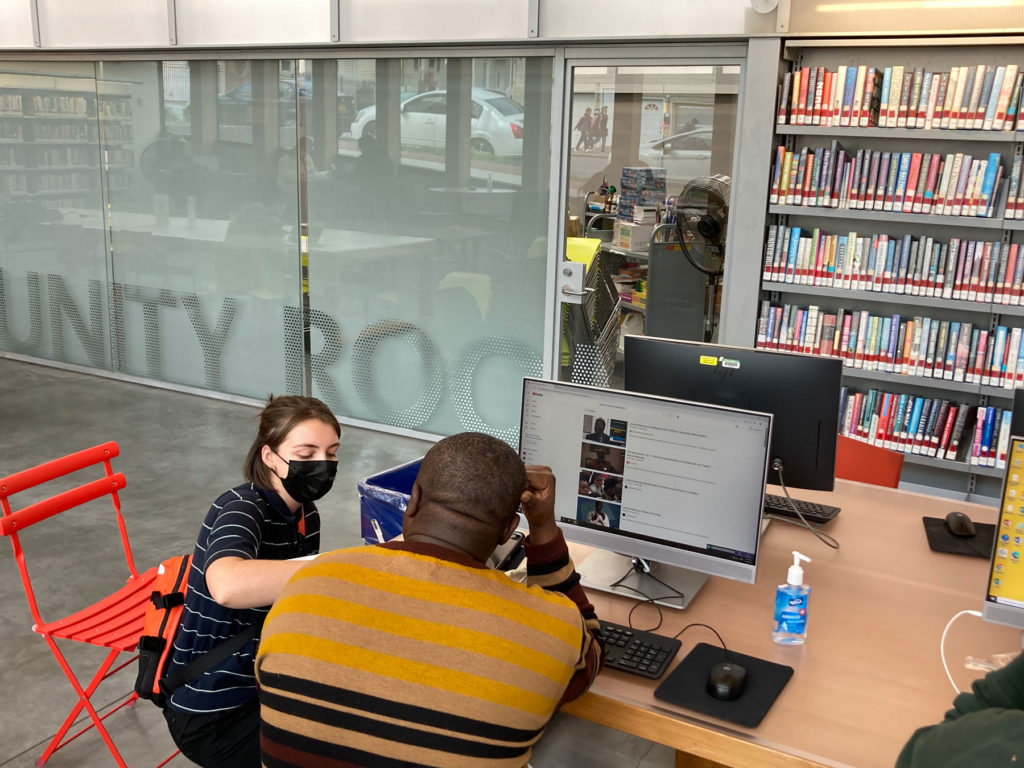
x: 114, y: 622
x: 866, y: 463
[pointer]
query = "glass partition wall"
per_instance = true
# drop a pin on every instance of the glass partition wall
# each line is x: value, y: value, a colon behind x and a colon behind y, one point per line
x: 644, y: 142
x: 371, y: 231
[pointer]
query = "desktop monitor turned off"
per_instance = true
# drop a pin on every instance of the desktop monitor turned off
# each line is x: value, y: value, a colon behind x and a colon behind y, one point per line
x: 674, y: 482
x: 801, y: 391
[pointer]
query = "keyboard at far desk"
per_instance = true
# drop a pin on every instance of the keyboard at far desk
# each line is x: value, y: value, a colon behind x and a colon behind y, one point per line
x: 812, y: 511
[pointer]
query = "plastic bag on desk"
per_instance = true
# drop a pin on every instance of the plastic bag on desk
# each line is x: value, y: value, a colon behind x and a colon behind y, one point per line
x: 996, y: 661
x: 382, y: 501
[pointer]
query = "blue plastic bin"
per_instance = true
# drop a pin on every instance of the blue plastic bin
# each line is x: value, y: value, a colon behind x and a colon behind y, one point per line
x: 383, y: 497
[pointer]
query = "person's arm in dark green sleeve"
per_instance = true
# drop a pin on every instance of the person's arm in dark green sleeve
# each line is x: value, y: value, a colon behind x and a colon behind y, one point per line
x: 984, y: 728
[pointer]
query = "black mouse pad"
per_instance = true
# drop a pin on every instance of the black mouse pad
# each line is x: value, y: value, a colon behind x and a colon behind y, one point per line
x: 941, y: 540
x: 685, y: 687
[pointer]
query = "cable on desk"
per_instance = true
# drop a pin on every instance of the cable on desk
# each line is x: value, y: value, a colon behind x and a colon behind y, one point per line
x: 824, y: 538
x: 639, y: 565
x: 942, y: 645
x: 728, y: 654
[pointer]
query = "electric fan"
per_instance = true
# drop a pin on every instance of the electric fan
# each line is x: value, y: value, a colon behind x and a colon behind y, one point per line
x: 702, y: 213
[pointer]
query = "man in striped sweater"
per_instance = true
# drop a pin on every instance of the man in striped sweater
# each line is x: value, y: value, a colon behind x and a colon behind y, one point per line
x: 414, y: 653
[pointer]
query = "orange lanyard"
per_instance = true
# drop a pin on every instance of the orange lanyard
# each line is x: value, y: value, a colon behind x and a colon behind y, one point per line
x: 302, y: 521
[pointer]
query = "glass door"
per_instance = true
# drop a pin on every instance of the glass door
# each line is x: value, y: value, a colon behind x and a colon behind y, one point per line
x: 645, y: 143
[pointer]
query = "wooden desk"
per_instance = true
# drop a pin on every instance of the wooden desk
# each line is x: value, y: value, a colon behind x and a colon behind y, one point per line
x: 870, y: 672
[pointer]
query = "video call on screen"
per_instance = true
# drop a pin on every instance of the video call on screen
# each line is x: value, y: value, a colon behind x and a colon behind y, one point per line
x: 649, y: 468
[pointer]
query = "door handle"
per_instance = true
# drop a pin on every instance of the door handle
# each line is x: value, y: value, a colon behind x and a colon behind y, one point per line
x: 570, y: 280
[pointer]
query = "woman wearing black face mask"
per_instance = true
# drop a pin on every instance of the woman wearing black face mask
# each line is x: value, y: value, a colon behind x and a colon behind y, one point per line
x: 242, y: 559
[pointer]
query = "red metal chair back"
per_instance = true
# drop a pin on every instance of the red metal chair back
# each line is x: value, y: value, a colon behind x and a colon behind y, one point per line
x: 13, y: 522
x: 115, y: 621
x: 866, y: 463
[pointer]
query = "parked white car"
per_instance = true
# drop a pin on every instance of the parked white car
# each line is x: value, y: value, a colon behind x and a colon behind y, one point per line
x: 684, y: 156
x: 496, y: 122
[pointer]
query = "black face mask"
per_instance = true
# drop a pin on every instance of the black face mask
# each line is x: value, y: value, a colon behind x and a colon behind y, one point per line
x: 309, y: 480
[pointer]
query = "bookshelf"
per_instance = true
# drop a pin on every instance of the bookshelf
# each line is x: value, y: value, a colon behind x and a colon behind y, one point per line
x: 843, y: 211
x: 52, y: 141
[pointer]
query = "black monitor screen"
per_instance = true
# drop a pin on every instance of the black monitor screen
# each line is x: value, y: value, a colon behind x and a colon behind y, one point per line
x: 802, y: 391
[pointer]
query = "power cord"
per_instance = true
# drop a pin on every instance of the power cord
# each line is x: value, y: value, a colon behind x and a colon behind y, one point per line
x: 639, y: 565
x: 942, y: 645
x: 824, y: 538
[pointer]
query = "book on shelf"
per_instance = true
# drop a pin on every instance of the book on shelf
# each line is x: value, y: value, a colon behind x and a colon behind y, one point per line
x: 917, y: 200
x: 925, y: 96
x: 976, y: 97
x: 1013, y: 189
x: 1018, y: 370
x: 927, y: 426
x: 962, y: 425
x: 813, y: 85
x: 965, y: 83
x: 980, y: 105
x: 909, y: 185
x: 1013, y: 111
x: 920, y: 346
x: 1003, y: 440
x: 987, y: 116
x: 871, y: 98
x: 999, y: 121
x: 891, y: 105
x: 914, y: 99
x: 972, y: 96
x: 967, y: 270
x: 903, y: 106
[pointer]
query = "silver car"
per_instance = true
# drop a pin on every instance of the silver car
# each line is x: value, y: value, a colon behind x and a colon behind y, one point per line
x: 684, y: 156
x: 496, y: 122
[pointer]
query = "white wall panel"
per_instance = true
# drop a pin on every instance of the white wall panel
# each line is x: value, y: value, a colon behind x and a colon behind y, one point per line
x: 365, y: 21
x: 646, y: 18
x: 253, y: 22
x: 102, y: 23
x: 15, y: 24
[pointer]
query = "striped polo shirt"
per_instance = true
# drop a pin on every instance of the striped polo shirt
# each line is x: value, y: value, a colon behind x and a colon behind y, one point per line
x: 408, y: 654
x: 250, y: 523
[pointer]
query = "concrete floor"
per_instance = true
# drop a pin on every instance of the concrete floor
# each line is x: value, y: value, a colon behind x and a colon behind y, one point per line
x: 178, y: 453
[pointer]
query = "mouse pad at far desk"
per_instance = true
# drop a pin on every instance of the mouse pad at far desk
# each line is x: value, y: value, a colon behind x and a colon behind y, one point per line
x: 941, y: 540
x: 685, y: 686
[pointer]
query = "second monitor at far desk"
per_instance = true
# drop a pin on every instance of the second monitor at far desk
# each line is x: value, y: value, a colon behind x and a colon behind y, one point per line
x: 800, y: 391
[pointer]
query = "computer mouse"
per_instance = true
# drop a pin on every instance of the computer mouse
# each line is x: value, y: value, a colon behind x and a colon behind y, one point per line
x: 959, y: 524
x: 726, y: 681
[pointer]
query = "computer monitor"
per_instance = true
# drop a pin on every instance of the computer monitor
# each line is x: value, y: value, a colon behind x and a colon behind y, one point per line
x: 1004, y: 596
x: 677, y: 485
x: 801, y: 391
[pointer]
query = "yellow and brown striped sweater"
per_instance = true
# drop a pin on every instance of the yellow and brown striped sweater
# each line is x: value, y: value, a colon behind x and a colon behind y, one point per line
x: 409, y: 654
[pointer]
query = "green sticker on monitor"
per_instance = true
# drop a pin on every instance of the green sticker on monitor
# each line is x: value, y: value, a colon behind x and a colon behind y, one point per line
x: 729, y: 363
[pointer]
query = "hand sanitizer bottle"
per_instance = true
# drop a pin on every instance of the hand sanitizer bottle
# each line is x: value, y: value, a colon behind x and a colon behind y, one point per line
x: 790, y: 626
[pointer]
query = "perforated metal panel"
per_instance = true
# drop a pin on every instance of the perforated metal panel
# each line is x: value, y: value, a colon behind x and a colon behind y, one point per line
x: 462, y: 381
x: 63, y: 305
x: 365, y: 381
x: 211, y: 340
x: 320, y: 362
x: 30, y: 345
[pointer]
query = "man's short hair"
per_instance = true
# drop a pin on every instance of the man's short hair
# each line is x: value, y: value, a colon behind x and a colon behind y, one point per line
x: 475, y: 474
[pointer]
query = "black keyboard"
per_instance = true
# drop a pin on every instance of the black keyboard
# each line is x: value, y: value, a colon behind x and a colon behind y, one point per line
x: 637, y: 652
x: 815, y: 513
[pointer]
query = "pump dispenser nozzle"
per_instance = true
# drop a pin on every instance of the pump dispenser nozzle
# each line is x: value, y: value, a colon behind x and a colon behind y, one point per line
x: 796, y: 572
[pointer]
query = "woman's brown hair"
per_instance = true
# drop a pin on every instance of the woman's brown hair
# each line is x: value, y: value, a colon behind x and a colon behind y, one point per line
x: 277, y: 419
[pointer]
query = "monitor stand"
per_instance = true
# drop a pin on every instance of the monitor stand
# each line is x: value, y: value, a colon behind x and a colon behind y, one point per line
x: 601, y: 569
